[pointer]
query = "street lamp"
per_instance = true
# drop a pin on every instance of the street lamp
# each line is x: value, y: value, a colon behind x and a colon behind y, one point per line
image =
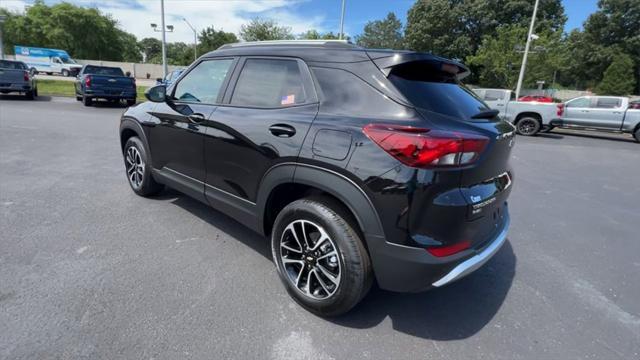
x: 342, y: 21
x: 2, y: 19
x: 531, y: 36
x: 195, y: 40
x: 164, y: 30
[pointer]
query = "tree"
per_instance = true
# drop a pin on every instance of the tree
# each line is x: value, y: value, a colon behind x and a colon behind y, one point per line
x: 616, y: 80
x: 210, y: 39
x: 315, y: 35
x: 85, y: 33
x: 455, y: 28
x: 260, y: 30
x: 150, y: 47
x: 382, y: 34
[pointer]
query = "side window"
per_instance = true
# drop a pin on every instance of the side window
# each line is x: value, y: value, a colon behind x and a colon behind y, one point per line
x: 579, y: 103
x: 608, y: 103
x: 202, y: 84
x: 269, y: 83
x: 493, y: 95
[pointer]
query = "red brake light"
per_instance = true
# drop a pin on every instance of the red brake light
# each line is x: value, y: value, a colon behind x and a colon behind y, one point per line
x: 425, y: 148
x: 560, y: 109
x: 26, y: 76
x: 443, y: 251
x: 87, y: 81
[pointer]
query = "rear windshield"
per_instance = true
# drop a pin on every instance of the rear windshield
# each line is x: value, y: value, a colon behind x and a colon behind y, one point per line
x: 429, y: 88
x: 100, y: 70
x: 13, y: 65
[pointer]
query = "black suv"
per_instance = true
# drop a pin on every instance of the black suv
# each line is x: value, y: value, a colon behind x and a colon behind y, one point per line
x: 359, y: 164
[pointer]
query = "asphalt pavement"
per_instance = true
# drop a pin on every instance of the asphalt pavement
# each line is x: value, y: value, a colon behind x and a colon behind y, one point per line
x: 88, y: 270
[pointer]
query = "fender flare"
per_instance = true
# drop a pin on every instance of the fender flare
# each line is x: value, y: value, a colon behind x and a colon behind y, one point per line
x: 129, y: 123
x: 329, y: 181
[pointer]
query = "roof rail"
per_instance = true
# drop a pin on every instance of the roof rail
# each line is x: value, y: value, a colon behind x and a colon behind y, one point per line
x: 323, y: 43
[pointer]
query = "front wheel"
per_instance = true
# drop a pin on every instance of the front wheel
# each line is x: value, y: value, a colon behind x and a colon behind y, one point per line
x: 65, y: 73
x: 136, y: 163
x: 528, y: 126
x: 320, y: 257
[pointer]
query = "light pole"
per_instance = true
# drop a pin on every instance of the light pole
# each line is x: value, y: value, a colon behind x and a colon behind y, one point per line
x: 2, y: 19
x: 195, y: 40
x: 342, y: 21
x: 530, y: 37
x: 169, y: 28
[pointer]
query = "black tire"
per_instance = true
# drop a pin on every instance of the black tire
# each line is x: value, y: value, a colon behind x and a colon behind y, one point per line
x: 547, y: 129
x: 528, y: 126
x: 147, y: 186
x: 637, y: 134
x: 86, y: 101
x: 33, y: 71
x: 35, y: 92
x: 353, y: 264
x: 29, y: 95
x: 49, y: 73
x: 65, y: 73
x: 78, y: 98
x: 131, y: 102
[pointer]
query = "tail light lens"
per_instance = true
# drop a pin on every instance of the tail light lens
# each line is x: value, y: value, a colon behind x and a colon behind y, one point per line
x: 87, y: 81
x: 26, y: 76
x: 560, y: 109
x: 425, y: 148
x: 442, y: 251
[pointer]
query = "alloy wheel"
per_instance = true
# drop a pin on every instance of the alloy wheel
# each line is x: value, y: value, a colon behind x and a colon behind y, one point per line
x: 135, y: 167
x: 310, y: 259
x: 527, y: 126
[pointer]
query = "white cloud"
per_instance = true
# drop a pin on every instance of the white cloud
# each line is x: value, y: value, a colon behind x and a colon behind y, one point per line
x: 135, y: 16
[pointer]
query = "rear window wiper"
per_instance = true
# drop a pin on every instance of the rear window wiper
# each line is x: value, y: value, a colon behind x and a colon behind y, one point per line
x: 487, y: 114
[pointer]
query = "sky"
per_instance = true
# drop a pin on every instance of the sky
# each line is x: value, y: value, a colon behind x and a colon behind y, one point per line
x: 135, y: 16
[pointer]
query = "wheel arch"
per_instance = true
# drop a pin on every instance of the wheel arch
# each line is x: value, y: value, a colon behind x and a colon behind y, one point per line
x: 531, y: 114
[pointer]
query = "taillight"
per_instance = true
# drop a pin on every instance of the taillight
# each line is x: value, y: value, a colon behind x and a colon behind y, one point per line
x: 560, y: 109
x: 26, y: 76
x: 87, y: 81
x: 442, y: 251
x: 425, y: 148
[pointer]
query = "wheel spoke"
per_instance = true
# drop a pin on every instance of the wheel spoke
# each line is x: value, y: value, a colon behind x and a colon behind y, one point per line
x: 323, y: 237
x: 324, y: 286
x: 292, y: 229
x: 299, y: 276
x: 304, y: 234
x: 328, y: 274
x: 292, y: 261
x: 308, y: 287
x: 330, y: 253
x: 290, y: 248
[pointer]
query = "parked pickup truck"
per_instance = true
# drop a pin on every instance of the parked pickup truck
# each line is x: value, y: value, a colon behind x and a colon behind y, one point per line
x: 605, y: 113
x: 103, y: 82
x: 15, y: 77
x: 529, y: 117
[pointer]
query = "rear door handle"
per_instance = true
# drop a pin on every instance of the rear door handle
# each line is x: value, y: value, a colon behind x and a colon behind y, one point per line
x: 282, y: 130
x: 196, y: 118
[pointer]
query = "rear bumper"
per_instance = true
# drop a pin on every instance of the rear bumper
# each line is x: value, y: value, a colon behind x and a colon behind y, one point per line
x: 22, y: 87
x: 409, y: 269
x: 103, y: 94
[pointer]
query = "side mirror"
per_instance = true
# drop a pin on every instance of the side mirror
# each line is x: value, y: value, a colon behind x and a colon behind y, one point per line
x: 156, y: 93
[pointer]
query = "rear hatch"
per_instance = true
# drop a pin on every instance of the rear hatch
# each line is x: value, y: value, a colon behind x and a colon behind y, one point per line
x: 11, y: 73
x: 433, y: 87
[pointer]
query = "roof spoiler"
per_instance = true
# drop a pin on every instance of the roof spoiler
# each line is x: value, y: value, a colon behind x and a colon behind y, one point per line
x: 387, y: 60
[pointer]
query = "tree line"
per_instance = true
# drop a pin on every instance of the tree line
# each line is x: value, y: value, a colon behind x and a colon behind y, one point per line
x: 487, y: 35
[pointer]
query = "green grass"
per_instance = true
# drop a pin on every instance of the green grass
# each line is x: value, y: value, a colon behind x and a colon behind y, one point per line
x: 66, y: 88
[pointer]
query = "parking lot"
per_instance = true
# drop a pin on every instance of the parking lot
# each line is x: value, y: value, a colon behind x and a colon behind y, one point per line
x: 89, y: 270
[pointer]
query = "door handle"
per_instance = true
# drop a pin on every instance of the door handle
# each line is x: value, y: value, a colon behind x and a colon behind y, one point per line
x: 282, y: 130
x: 196, y: 118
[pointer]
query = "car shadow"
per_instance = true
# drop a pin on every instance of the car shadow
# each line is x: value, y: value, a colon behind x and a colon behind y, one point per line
x: 108, y: 104
x: 16, y: 97
x: 456, y: 311
x: 558, y: 134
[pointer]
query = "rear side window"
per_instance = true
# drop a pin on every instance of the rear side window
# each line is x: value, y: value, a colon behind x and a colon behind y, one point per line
x: 579, y: 103
x: 269, y: 83
x: 106, y: 71
x: 13, y: 65
x: 429, y: 88
x: 608, y: 103
x: 493, y: 95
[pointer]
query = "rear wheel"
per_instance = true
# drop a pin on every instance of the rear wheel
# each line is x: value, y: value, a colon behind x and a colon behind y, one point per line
x: 138, y: 168
x: 131, y: 102
x: 528, y: 126
x: 320, y: 257
x: 86, y: 101
x: 29, y: 95
x: 637, y: 134
x: 65, y: 73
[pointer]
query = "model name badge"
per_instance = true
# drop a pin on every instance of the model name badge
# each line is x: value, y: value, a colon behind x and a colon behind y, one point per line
x: 484, y: 203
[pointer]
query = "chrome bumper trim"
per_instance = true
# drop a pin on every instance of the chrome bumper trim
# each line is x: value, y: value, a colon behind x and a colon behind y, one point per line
x: 472, y: 264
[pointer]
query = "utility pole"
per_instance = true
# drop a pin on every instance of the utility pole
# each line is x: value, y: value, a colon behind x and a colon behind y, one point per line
x: 526, y: 50
x: 342, y: 21
x: 2, y: 18
x: 195, y: 40
x: 164, y: 42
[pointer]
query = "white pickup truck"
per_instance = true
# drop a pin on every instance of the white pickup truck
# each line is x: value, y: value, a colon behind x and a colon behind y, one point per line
x: 604, y: 113
x: 529, y: 117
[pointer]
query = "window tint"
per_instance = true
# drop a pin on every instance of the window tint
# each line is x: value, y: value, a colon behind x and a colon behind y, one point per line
x: 608, y: 103
x: 203, y: 83
x: 493, y: 95
x: 579, y: 103
x: 106, y: 71
x: 13, y: 65
x: 432, y: 89
x: 269, y: 83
